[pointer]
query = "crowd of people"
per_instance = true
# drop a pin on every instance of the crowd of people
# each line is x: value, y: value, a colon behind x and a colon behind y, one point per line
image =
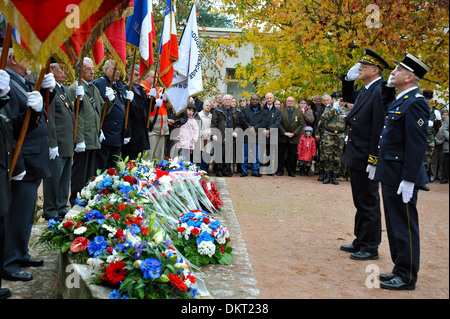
x: 86, y: 128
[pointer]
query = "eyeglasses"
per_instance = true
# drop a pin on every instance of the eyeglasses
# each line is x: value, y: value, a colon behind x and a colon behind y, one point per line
x: 89, y: 69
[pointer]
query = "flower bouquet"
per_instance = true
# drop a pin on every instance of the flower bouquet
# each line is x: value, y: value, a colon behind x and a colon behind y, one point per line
x: 202, y: 239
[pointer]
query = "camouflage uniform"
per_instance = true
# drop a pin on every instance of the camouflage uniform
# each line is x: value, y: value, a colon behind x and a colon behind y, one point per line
x: 333, y: 139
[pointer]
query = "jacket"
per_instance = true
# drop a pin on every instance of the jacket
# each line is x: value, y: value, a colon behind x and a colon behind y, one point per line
x: 219, y: 122
x: 205, y: 128
x: 137, y: 121
x: 295, y: 126
x: 188, y: 134
x: 403, y: 141
x: 306, y: 148
x: 88, y: 128
x: 365, y: 123
x: 61, y: 121
x: 114, y: 122
x: 35, y: 147
x: 250, y: 118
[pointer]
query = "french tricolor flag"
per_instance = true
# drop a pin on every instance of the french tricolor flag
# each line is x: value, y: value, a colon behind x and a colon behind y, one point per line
x: 168, y: 46
x: 19, y: 40
x: 140, y: 32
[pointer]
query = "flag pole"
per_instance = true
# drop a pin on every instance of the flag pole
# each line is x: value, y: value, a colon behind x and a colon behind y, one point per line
x: 152, y: 99
x: 6, y: 42
x: 77, y: 105
x: 107, y: 100
x: 26, y: 121
x: 130, y: 87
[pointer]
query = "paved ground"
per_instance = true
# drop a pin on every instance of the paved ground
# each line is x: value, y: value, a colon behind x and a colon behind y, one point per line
x: 234, y: 281
x: 285, y: 234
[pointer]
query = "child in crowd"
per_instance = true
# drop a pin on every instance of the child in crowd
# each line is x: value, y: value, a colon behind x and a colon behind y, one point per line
x: 188, y: 134
x: 306, y: 150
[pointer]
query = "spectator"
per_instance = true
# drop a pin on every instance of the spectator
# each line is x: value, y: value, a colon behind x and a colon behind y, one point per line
x: 306, y: 151
x: 188, y: 134
x: 205, y: 135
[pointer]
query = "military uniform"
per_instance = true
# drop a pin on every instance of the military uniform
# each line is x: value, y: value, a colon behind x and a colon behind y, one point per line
x: 113, y: 124
x: 332, y: 140
x: 84, y: 164
x: 60, y: 125
x: 402, y: 148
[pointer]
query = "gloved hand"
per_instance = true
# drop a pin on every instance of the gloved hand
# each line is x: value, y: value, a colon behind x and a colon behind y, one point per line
x: 353, y: 73
x: 389, y: 84
x: 49, y: 82
x: 371, y: 170
x: 54, y: 152
x: 336, y: 106
x: 129, y: 96
x: 80, y: 92
x: 406, y: 189
x: 437, y: 114
x: 4, y: 83
x: 126, y: 140
x: 35, y: 101
x: 159, y: 102
x: 109, y: 93
x: 152, y: 92
x: 80, y: 147
x: 102, y: 136
x: 19, y: 177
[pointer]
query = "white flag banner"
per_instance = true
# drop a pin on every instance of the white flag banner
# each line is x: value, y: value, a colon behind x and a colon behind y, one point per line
x: 187, y: 79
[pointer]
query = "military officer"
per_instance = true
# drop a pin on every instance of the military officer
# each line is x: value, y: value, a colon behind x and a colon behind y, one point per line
x: 25, y: 183
x: 400, y: 169
x: 365, y: 123
x: 114, y: 122
x: 87, y: 141
x: 60, y: 126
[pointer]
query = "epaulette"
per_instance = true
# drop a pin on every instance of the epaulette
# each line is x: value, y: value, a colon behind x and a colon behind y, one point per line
x: 419, y: 95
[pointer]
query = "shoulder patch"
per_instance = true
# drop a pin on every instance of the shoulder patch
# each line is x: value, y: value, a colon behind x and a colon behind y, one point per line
x: 418, y: 95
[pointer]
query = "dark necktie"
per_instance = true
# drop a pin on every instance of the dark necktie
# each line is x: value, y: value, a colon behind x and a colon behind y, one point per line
x: 28, y: 85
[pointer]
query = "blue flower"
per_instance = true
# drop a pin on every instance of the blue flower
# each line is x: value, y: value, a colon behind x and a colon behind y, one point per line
x: 97, y: 246
x: 214, y: 224
x: 151, y: 268
x: 204, y: 236
x: 115, y: 294
x: 52, y: 224
x: 105, y: 183
x: 125, y: 189
x: 94, y: 214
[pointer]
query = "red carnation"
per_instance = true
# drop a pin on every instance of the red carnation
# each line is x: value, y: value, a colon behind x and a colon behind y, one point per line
x: 69, y: 224
x: 104, y: 192
x: 116, y: 272
x: 79, y: 244
x: 111, y: 171
x: 195, y: 231
x: 181, y: 229
x: 206, y: 220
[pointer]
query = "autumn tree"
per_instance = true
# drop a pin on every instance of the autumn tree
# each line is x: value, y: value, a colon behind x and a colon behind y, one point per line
x: 301, y: 47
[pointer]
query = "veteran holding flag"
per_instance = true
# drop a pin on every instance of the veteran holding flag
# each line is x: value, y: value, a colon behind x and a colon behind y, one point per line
x: 400, y: 169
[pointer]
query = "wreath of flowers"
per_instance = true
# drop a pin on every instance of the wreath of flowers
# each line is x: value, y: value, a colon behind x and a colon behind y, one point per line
x: 212, y: 193
x: 115, y: 232
x: 203, y: 239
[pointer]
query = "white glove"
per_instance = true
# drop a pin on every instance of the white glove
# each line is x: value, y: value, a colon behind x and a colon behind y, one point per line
x: 389, y: 84
x: 353, y: 73
x: 19, y: 177
x: 126, y: 140
x: 4, y: 83
x: 159, y: 102
x: 129, y: 96
x: 336, y: 105
x: 437, y: 114
x: 406, y: 189
x: 80, y: 147
x: 109, y: 93
x: 371, y: 170
x: 102, y: 136
x: 35, y: 101
x: 49, y: 82
x: 54, y: 152
x: 430, y: 123
x: 152, y: 92
x: 80, y: 92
